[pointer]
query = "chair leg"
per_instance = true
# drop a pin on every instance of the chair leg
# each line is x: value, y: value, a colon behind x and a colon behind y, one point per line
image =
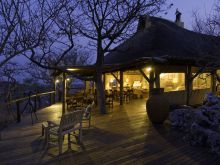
x: 47, y: 140
x: 42, y: 130
x: 69, y: 143
x: 89, y: 122
x: 60, y: 141
x: 80, y: 135
x: 46, y: 134
x: 68, y: 137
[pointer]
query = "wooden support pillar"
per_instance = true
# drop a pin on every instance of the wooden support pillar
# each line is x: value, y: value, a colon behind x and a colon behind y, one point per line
x: 54, y: 88
x: 94, y: 92
x: 118, y: 82
x: 217, y: 84
x: 93, y: 87
x: 87, y: 86
x: 104, y: 80
x: 151, y: 82
x: 213, y: 81
x: 157, y: 79
x: 121, y: 88
x: 188, y: 83
x: 64, y: 94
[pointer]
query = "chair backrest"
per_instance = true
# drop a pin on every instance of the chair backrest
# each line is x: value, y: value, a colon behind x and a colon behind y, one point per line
x: 70, y: 120
x: 89, y: 110
x: 93, y: 105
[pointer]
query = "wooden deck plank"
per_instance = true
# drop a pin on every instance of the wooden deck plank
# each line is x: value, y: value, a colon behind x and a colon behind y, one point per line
x: 124, y: 136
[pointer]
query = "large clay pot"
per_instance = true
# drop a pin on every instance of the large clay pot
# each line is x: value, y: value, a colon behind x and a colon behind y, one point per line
x: 157, y: 106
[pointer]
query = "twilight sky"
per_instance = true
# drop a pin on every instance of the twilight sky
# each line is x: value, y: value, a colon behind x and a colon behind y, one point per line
x: 186, y: 7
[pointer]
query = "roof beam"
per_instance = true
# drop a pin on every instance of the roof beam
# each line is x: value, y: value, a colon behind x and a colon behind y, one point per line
x: 201, y: 70
x: 144, y: 75
x: 115, y: 77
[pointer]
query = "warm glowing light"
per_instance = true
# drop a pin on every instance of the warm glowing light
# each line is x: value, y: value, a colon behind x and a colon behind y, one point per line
x: 68, y: 79
x: 127, y: 80
x: 137, y: 84
x: 111, y: 80
x: 148, y: 69
x: 162, y: 75
x: 71, y: 69
x: 57, y: 81
x: 175, y: 80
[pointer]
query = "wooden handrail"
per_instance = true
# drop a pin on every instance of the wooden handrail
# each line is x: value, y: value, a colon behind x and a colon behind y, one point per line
x: 18, y: 101
x: 27, y: 97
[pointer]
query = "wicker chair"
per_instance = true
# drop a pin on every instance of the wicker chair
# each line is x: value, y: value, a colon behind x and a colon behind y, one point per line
x: 69, y: 123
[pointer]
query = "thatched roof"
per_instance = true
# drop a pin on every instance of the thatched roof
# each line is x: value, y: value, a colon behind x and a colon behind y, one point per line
x: 84, y: 72
x: 164, y: 40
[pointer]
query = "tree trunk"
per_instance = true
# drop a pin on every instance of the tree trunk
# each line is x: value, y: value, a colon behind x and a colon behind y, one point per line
x: 98, y: 78
x: 100, y: 91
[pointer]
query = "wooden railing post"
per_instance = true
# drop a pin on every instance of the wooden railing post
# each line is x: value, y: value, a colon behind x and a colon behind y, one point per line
x: 35, y: 103
x: 55, y: 89
x: 18, y: 112
x: 54, y: 97
x: 39, y: 101
x: 51, y: 99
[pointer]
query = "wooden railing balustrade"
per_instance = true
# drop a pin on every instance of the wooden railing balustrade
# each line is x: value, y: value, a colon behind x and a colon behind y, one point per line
x: 34, y: 98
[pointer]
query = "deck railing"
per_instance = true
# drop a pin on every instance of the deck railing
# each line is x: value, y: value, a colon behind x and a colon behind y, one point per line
x: 17, y: 105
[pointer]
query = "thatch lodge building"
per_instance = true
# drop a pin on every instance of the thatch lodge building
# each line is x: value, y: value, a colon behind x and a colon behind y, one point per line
x: 161, y: 54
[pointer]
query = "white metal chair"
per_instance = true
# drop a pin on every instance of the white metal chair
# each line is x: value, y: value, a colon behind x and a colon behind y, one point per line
x: 69, y: 123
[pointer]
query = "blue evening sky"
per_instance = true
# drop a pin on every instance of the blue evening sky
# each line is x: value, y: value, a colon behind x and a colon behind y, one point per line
x: 186, y: 7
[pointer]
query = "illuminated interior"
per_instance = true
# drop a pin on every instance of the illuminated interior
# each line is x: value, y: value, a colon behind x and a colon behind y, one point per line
x: 169, y: 81
x: 110, y: 82
x: 132, y: 80
x: 203, y: 81
x: 172, y: 81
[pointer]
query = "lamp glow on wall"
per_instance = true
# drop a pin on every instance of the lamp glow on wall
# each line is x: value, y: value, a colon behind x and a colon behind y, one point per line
x: 175, y: 80
x: 126, y: 82
x: 111, y: 83
x: 57, y: 81
x: 72, y: 69
x: 137, y: 84
x: 163, y: 75
x: 148, y: 69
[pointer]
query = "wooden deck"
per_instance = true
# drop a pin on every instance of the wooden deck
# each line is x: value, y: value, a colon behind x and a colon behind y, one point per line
x: 124, y: 136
